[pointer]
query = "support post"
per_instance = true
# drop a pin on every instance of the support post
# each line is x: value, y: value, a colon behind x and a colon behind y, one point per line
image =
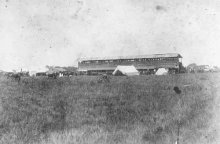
x: 178, y: 133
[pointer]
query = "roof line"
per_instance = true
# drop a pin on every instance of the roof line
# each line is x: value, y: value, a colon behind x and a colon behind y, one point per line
x: 133, y: 57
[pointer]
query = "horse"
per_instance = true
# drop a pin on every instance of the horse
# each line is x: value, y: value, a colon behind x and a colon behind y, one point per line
x: 15, y: 76
x: 53, y: 75
x: 103, y: 78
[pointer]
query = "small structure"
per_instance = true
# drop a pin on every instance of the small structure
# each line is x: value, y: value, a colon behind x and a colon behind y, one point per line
x: 203, y: 68
x: 55, y: 72
x: 161, y: 71
x: 193, y: 68
x: 125, y: 70
x: 41, y: 74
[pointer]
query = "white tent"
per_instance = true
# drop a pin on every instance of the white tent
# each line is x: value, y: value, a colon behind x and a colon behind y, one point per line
x: 32, y: 73
x: 161, y: 71
x: 125, y: 70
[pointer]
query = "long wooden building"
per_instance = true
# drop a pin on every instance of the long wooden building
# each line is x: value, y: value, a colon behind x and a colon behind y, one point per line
x: 145, y: 64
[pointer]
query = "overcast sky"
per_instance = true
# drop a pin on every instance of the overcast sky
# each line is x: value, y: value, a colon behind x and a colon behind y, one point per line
x: 35, y: 33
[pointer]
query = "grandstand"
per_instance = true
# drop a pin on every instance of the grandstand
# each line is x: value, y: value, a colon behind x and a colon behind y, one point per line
x: 145, y: 64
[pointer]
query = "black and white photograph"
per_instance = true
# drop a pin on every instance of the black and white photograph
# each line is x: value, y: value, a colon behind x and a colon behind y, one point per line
x: 109, y: 72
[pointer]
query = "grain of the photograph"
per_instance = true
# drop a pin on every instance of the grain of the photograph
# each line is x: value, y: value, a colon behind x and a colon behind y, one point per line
x: 109, y: 72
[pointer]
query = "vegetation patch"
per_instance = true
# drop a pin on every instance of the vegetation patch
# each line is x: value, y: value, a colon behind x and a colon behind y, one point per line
x: 154, y: 109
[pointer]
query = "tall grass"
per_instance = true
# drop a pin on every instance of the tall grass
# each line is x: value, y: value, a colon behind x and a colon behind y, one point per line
x: 143, y: 109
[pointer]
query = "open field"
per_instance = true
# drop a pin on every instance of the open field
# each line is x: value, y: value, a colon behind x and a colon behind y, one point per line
x: 139, y: 109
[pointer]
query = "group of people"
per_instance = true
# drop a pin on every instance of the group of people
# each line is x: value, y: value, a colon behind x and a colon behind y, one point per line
x: 17, y: 75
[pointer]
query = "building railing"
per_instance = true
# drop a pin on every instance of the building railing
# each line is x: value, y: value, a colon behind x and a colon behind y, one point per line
x: 138, y: 65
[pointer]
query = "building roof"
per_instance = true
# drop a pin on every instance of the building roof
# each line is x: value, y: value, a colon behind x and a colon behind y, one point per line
x: 96, y: 68
x: 133, y: 57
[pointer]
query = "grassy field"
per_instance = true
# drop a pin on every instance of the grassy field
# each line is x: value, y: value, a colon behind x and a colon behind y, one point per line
x: 126, y: 110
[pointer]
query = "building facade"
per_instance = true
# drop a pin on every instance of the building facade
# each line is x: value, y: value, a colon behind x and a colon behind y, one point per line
x: 145, y: 64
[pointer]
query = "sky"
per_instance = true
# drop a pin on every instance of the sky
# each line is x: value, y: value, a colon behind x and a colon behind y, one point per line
x: 36, y: 33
